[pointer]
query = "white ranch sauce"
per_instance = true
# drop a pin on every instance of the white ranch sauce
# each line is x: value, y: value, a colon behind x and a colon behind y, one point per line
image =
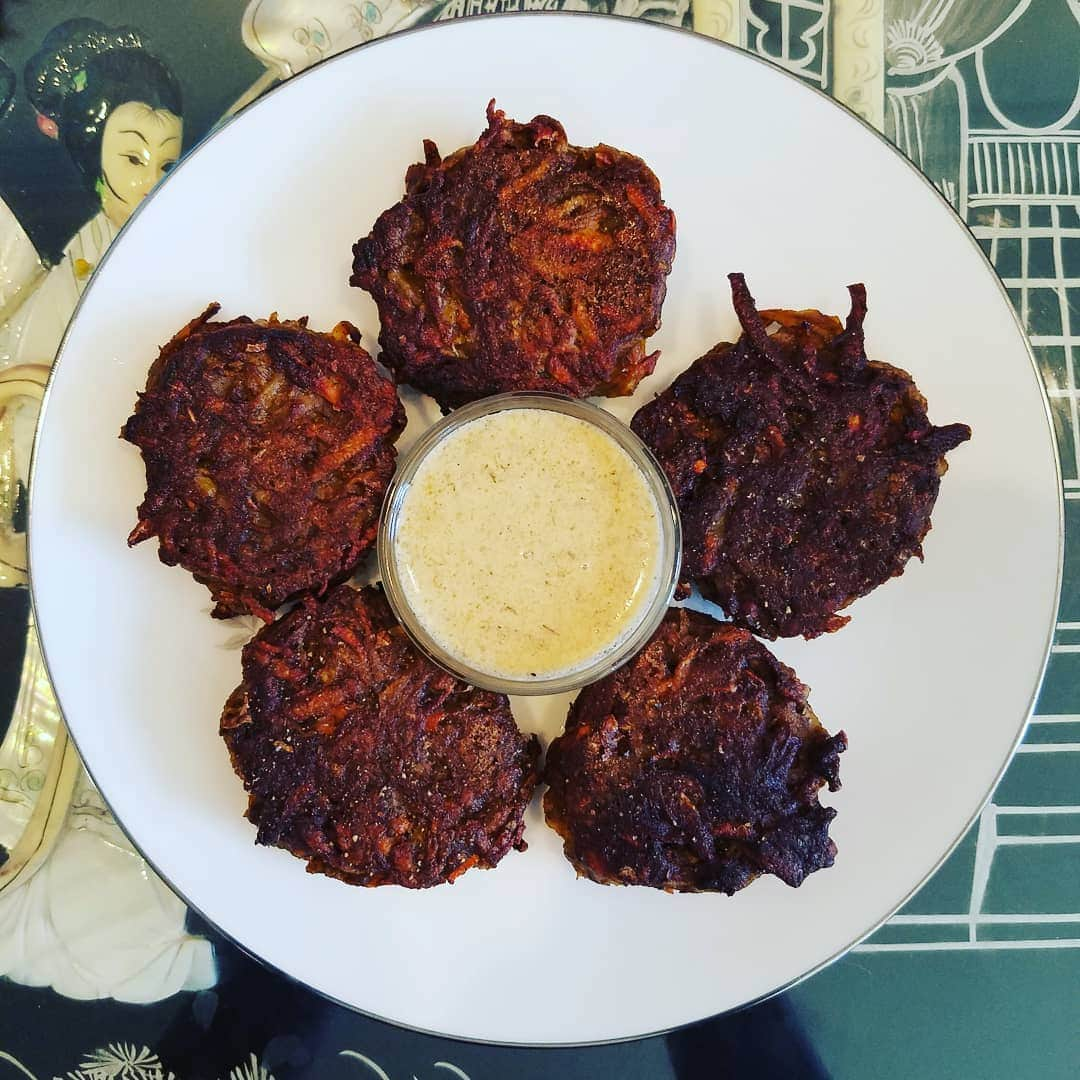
x: 528, y: 543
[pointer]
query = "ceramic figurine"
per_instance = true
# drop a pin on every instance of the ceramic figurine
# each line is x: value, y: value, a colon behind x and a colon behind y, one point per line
x: 80, y: 910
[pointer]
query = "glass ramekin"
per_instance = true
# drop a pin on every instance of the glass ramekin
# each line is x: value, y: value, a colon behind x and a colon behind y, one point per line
x: 653, y: 610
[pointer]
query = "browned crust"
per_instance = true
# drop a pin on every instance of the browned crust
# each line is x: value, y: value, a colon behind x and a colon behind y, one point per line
x: 366, y: 760
x: 268, y: 448
x: 520, y: 263
x: 805, y: 473
x: 695, y: 767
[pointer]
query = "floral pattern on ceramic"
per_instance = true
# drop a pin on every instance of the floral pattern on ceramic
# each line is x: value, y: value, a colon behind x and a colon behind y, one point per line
x: 128, y: 1061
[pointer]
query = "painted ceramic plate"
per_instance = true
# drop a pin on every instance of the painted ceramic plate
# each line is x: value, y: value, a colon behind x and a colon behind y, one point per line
x: 933, y: 679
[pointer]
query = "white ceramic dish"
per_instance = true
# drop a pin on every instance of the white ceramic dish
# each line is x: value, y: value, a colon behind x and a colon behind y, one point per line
x: 933, y: 680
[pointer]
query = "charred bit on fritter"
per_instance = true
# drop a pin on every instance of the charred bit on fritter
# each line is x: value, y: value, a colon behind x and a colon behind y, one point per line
x: 366, y: 760
x: 696, y: 767
x: 520, y: 263
x: 805, y: 473
x: 268, y: 448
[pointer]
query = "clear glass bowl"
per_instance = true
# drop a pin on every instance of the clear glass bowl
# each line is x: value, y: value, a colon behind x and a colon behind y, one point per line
x: 652, y: 611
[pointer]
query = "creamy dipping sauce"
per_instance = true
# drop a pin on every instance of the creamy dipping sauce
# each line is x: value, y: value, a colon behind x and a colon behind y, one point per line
x: 528, y: 543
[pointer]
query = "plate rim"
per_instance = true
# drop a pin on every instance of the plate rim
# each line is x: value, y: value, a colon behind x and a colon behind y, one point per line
x: 793, y: 79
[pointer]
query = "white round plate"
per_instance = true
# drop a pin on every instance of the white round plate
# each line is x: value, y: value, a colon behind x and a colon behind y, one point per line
x: 933, y: 679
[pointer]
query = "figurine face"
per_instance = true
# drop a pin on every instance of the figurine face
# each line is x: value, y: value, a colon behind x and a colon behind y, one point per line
x: 138, y: 146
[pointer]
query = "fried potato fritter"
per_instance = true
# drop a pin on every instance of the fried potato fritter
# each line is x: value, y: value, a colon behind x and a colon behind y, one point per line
x: 268, y: 449
x: 520, y: 263
x: 696, y: 767
x: 805, y: 473
x: 363, y: 758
